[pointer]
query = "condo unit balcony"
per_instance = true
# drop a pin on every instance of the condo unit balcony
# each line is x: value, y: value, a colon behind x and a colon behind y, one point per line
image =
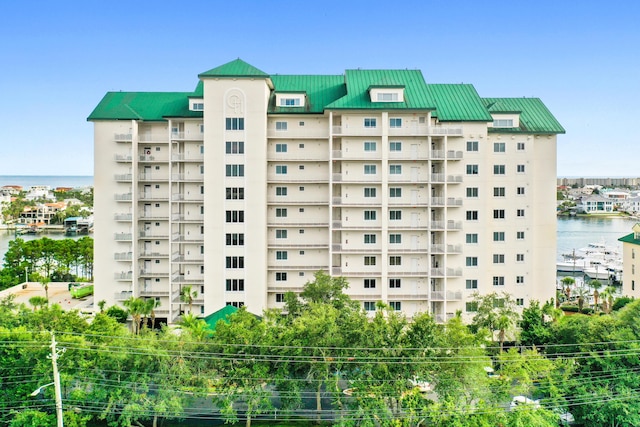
x: 123, y: 276
x: 187, y: 136
x: 449, y: 225
x: 187, y: 198
x: 356, y: 155
x: 154, y: 196
x: 149, y: 158
x: 123, y: 158
x: 446, y: 201
x: 290, y: 267
x: 354, y: 201
x: 195, y: 218
x: 187, y: 238
x: 124, y: 177
x: 408, y: 297
x: 183, y: 259
x: 123, y: 256
x: 181, y: 278
x: 419, y: 154
x: 344, y: 178
x: 187, y: 157
x: 407, y: 202
x: 153, y: 234
x: 123, y: 137
x: 299, y: 133
x: 123, y: 197
x: 185, y: 177
x: 446, y: 295
x: 449, y: 272
x: 309, y: 222
x: 445, y: 130
x: 314, y: 156
x: 353, y: 225
x: 152, y: 137
x: 154, y: 292
x: 442, y: 249
x: 153, y: 177
x: 446, y: 155
x: 151, y: 273
x: 123, y: 237
x: 343, y: 249
x: 278, y: 245
x: 393, y: 249
x: 443, y: 318
x: 154, y: 215
x: 153, y: 254
x: 126, y: 217
x: 414, y: 178
x: 356, y: 131
x: 276, y: 200
x: 123, y: 296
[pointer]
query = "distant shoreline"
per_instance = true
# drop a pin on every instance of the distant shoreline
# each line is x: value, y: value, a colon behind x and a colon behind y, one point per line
x: 52, y: 181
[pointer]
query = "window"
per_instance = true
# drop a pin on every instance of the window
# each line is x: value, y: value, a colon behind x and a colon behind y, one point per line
x: 369, y: 238
x: 281, y: 212
x: 395, y: 260
x: 498, y: 214
x: 395, y: 169
x: 395, y: 146
x: 282, y: 255
x: 369, y: 260
x: 235, y: 262
x: 520, y: 301
x: 197, y: 106
x: 387, y: 97
x: 472, y: 191
x: 498, y: 236
x: 370, y: 122
x: 498, y: 280
x: 234, y: 193
x: 236, y: 304
x: 472, y: 215
x: 471, y: 307
x: 503, y: 123
x: 369, y: 215
x: 472, y: 169
x: 300, y: 188
x: 520, y: 168
x: 499, y: 147
x: 369, y: 283
x: 301, y: 167
x: 369, y: 169
x: 369, y: 192
x: 471, y: 261
x: 395, y: 305
x: 395, y: 283
x: 498, y: 258
x: 281, y: 148
x: 499, y: 191
x: 519, y: 280
x: 519, y: 257
x: 281, y: 191
x: 471, y: 284
x: 232, y: 239
x: 395, y: 215
x: 472, y: 145
x: 281, y: 126
x: 369, y: 306
x: 281, y: 276
x: 520, y: 235
x: 520, y: 146
x: 201, y: 169
x: 471, y: 238
x: 289, y: 102
x: 281, y: 234
x: 235, y: 123
x: 234, y: 216
x: 498, y: 169
x: 234, y: 147
x: 279, y: 297
x: 520, y: 212
x: 395, y: 238
x: 369, y: 146
x: 234, y: 170
x: 395, y: 122
x: 520, y: 191
x: 235, y: 285
x: 395, y: 192
x: 281, y: 169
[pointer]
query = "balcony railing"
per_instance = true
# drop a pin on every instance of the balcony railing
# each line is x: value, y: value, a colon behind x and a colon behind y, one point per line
x: 123, y: 237
x: 123, y: 217
x: 299, y: 133
x: 124, y: 158
x: 123, y: 296
x: 123, y: 137
x: 123, y: 197
x: 126, y: 177
x: 123, y: 256
x: 123, y: 276
x: 188, y: 136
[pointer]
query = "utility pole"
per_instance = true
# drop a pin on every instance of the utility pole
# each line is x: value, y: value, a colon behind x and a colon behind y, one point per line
x: 56, y: 381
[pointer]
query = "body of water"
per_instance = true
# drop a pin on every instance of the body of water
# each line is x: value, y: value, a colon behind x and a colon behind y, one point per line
x: 52, y: 181
x: 577, y: 232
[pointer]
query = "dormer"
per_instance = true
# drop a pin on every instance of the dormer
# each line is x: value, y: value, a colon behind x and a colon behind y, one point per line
x: 636, y: 231
x: 393, y: 93
x: 505, y: 120
x: 196, y: 104
x: 291, y: 99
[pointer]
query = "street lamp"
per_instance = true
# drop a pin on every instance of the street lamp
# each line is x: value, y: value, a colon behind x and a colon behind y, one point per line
x: 55, y: 383
x: 26, y: 274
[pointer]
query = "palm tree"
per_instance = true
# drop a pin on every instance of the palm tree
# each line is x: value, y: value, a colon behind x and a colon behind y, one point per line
x: 582, y: 292
x: 150, y: 308
x: 567, y: 282
x: 38, y: 302
x: 187, y: 296
x: 595, y: 284
x: 44, y: 281
x: 607, y: 296
x: 136, y: 308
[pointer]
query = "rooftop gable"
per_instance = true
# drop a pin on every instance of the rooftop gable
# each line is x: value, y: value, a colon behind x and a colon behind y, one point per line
x: 535, y: 117
x: 150, y: 106
x: 458, y: 102
x: 235, y: 68
x: 320, y: 90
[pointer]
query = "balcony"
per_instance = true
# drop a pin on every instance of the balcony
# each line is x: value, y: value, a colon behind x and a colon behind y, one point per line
x: 185, y: 218
x: 123, y: 217
x: 442, y: 318
x: 123, y: 237
x: 127, y: 177
x: 183, y: 157
x: 299, y: 133
x: 123, y: 197
x: 152, y: 254
x: 446, y: 295
x: 182, y: 238
x: 123, y: 158
x: 187, y: 260
x: 196, y: 177
x: 123, y: 256
x: 154, y: 196
x: 151, y: 292
x: 180, y: 278
x: 147, y: 158
x: 123, y: 296
x: 150, y: 273
x: 188, y: 198
x: 123, y: 137
x: 187, y: 136
x: 123, y: 276
x: 152, y: 177
x: 346, y: 131
x: 356, y: 155
x: 153, y: 235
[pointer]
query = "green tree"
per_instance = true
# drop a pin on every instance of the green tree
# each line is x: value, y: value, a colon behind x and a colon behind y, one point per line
x: 497, y: 313
x: 534, y: 327
x: 596, y: 285
x: 188, y: 295
x: 136, y: 307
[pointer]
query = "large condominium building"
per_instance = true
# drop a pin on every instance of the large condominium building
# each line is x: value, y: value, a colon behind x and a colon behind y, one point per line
x: 419, y: 194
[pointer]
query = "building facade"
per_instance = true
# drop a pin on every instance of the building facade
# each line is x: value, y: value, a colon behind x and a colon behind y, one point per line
x: 630, y: 258
x: 419, y: 194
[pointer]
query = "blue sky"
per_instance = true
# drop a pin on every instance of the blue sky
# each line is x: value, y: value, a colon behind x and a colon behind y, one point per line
x: 60, y: 58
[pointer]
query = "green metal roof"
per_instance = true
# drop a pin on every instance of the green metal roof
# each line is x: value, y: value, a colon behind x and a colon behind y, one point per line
x: 320, y: 90
x: 221, y: 314
x: 535, y: 117
x: 358, y: 82
x: 236, y: 68
x: 458, y: 102
x: 151, y: 106
x: 630, y: 238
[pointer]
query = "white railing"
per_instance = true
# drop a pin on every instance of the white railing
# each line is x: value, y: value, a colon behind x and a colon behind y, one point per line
x: 127, y: 137
x: 123, y: 256
x: 123, y: 237
x: 123, y: 197
x: 123, y: 217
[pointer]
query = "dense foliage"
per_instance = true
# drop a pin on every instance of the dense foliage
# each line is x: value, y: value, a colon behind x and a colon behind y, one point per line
x: 324, y: 358
x: 56, y: 260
